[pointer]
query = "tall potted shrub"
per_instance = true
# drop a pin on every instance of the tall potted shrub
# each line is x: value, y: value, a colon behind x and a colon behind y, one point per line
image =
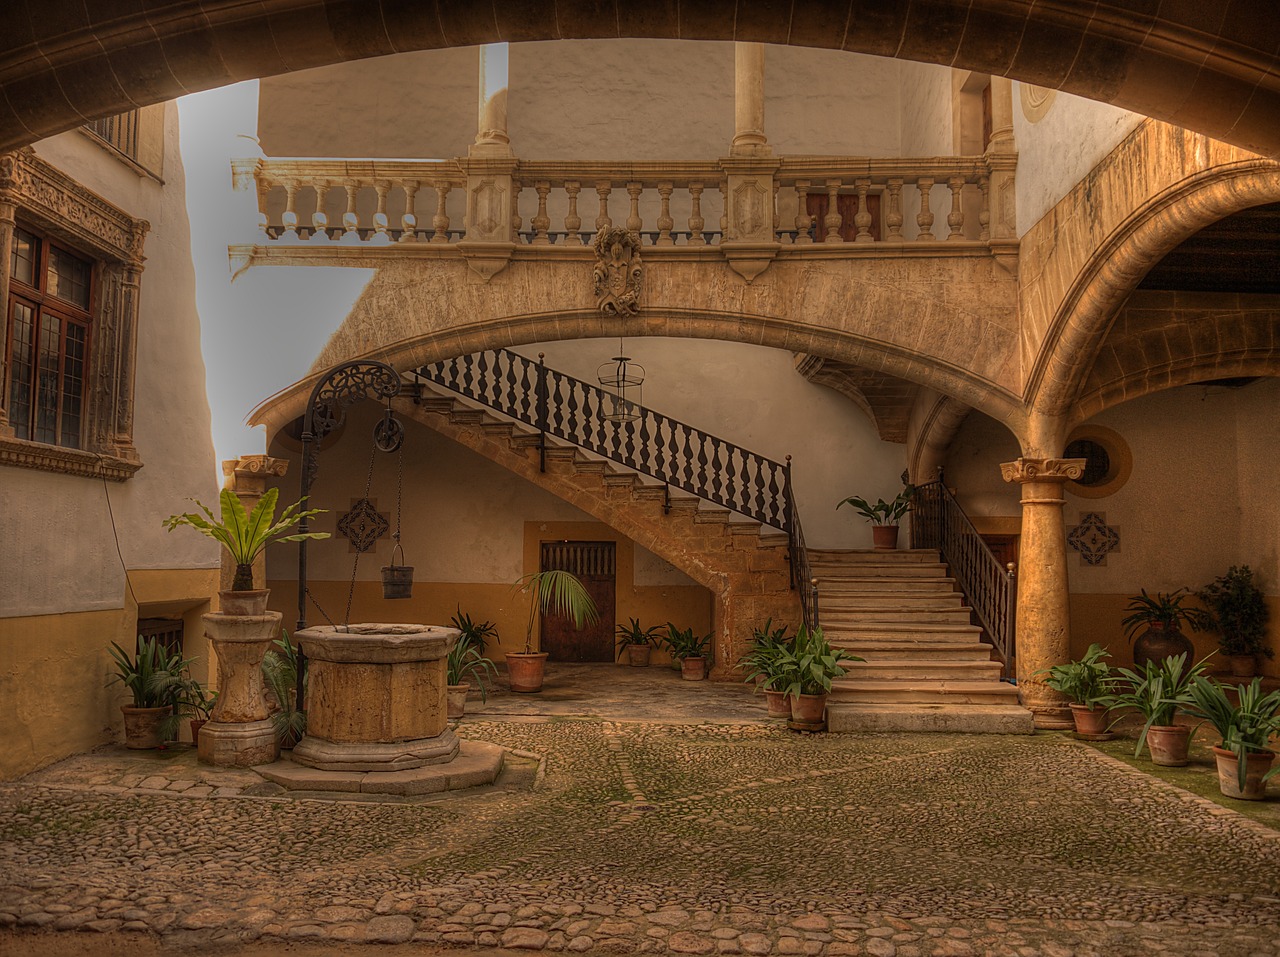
x: 1239, y: 616
x: 1163, y: 616
x: 883, y: 516
x: 558, y: 592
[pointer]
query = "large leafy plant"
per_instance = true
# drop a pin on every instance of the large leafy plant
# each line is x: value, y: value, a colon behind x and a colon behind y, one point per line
x: 882, y: 512
x: 633, y: 633
x: 683, y: 643
x: 466, y: 663
x: 1245, y: 727
x: 764, y: 662
x: 810, y: 664
x: 1157, y: 693
x: 280, y: 675
x: 556, y: 592
x: 244, y: 534
x: 475, y: 633
x: 1163, y: 609
x: 153, y: 675
x: 1086, y: 681
x: 1239, y: 612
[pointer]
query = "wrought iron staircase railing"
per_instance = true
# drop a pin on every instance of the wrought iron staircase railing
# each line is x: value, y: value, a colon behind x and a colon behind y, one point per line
x: 671, y: 451
x: 938, y: 521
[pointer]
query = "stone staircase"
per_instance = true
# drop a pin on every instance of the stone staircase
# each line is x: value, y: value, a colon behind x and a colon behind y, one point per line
x: 926, y: 668
x: 744, y: 564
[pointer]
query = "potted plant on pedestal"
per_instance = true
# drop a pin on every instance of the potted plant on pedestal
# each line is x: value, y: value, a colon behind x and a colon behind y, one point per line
x: 1163, y: 616
x: 246, y: 535
x: 465, y: 663
x: 560, y: 593
x: 883, y: 516
x: 1086, y: 682
x: 808, y: 666
x: 689, y: 650
x: 153, y: 676
x: 764, y: 665
x: 637, y: 642
x: 1245, y: 728
x: 1239, y: 613
x: 1156, y: 694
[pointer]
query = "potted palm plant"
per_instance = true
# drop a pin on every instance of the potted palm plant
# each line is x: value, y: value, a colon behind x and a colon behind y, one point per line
x: 1156, y: 694
x: 153, y: 676
x: 637, y: 642
x: 245, y: 535
x: 464, y: 664
x: 1087, y: 683
x: 280, y: 676
x: 1163, y: 615
x: 1239, y: 613
x: 883, y: 516
x: 763, y: 664
x: 476, y: 633
x: 808, y: 666
x: 690, y: 650
x: 1245, y: 728
x: 192, y: 701
x: 553, y: 591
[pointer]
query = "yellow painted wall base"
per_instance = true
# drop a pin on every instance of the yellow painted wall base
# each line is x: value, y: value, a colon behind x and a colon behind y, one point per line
x: 54, y: 698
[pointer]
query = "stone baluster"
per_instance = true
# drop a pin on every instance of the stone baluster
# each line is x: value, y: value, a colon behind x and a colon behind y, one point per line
x: 780, y: 231
x: 924, y: 218
x: 862, y: 218
x: 893, y: 216
x: 8, y: 222
x: 541, y: 221
x: 665, y: 222
x: 440, y: 221
x: 984, y: 214
x: 350, y: 220
x: 803, y: 220
x: 955, y: 218
x: 409, y: 221
x: 833, y: 220
x: 572, y: 221
x: 319, y: 218
x: 517, y: 222
x: 602, y: 220
x: 724, y: 210
x: 290, y: 216
x: 380, y: 235
x: 634, y: 222
x: 696, y: 222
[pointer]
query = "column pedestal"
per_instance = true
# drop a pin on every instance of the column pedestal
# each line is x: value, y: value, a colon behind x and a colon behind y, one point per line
x: 239, y: 732
x: 1043, y: 622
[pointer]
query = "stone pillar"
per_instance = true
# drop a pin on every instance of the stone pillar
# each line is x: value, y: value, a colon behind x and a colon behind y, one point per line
x: 247, y: 477
x: 1043, y: 620
x: 1001, y: 115
x: 491, y: 119
x: 239, y: 732
x: 1002, y: 161
x: 492, y: 192
x: 748, y: 101
x: 8, y: 210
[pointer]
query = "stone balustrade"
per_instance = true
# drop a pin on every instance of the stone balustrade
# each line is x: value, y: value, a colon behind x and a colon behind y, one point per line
x: 815, y: 202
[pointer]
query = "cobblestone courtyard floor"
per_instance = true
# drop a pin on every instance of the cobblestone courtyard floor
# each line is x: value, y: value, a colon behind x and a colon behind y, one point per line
x: 648, y: 838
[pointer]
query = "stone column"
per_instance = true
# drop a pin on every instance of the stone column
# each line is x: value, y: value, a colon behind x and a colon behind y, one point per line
x: 8, y: 210
x: 492, y: 192
x: 748, y: 101
x: 1002, y: 159
x: 491, y: 119
x: 1043, y: 622
x: 247, y: 477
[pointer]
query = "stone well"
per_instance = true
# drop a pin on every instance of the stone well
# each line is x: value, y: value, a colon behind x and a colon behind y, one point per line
x: 376, y: 697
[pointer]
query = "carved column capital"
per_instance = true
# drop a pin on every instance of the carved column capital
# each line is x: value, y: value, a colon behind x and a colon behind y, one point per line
x: 248, y: 474
x: 1023, y: 470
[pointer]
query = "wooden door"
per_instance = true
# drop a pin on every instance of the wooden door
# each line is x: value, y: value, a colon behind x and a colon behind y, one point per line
x: 847, y: 206
x: 1003, y: 547
x: 595, y: 566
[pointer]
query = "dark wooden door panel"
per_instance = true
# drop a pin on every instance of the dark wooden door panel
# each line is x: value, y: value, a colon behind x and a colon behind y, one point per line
x: 594, y: 565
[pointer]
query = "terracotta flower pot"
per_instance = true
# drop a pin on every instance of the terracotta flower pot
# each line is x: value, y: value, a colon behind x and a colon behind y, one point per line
x: 1169, y: 745
x: 244, y: 602
x: 1258, y: 763
x: 778, y: 703
x: 1089, y: 720
x: 526, y: 671
x: 809, y: 708
x: 142, y: 726
x: 457, y: 699
x: 638, y: 655
x: 1242, y: 666
x: 693, y: 669
x: 1158, y: 642
x: 196, y: 724
x: 884, y: 537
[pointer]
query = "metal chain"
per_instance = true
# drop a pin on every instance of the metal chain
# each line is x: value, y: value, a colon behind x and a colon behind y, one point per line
x: 399, y: 502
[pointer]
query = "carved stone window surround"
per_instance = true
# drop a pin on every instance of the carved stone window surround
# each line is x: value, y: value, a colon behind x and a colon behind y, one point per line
x: 44, y: 197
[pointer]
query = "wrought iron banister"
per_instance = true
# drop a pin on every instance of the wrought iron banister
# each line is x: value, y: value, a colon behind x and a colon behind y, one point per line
x: 671, y: 451
x: 938, y: 521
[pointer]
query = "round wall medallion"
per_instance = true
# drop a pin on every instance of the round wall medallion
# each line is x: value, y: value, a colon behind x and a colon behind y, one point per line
x: 1036, y: 101
x: 1108, y: 461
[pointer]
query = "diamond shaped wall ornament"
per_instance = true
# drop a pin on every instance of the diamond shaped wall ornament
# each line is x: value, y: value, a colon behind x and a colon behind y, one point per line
x: 363, y: 525
x: 1093, y: 538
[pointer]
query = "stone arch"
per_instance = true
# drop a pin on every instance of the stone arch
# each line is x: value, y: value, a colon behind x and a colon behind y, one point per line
x: 1119, y: 263
x: 58, y: 72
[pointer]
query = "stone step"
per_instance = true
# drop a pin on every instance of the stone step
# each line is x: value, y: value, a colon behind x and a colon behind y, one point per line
x: 936, y: 718
x: 908, y: 650
x: 897, y: 629
x: 896, y: 572
x: 907, y: 670
x: 884, y: 587
x: 960, y: 691
x: 905, y: 600
x: 856, y: 556
x: 838, y: 617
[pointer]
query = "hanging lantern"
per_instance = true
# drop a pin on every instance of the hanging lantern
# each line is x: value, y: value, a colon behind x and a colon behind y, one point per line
x: 624, y: 382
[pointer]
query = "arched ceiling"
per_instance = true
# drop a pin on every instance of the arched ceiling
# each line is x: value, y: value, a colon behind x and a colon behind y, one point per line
x: 1213, y: 67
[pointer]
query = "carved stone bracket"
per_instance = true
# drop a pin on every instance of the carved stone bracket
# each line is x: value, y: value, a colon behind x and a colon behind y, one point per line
x: 618, y: 272
x: 1042, y: 470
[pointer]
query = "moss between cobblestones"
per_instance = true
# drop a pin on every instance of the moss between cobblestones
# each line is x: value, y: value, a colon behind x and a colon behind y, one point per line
x: 1200, y: 777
